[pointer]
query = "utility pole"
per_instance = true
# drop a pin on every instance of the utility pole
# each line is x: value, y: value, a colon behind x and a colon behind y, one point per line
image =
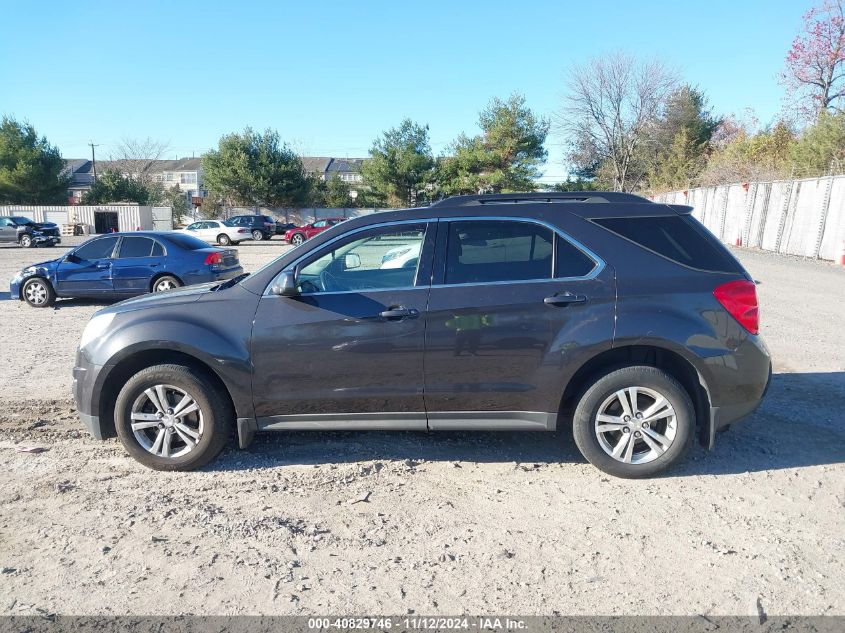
x: 93, y: 160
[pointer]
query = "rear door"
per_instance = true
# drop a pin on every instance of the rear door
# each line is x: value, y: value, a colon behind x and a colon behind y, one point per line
x: 87, y: 271
x: 513, y: 309
x: 135, y: 264
x: 348, y: 351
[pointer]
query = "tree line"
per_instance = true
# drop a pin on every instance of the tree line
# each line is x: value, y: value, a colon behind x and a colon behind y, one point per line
x: 628, y: 124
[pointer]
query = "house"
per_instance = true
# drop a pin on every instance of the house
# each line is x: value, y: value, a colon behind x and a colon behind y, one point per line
x: 186, y: 173
x: 347, y: 169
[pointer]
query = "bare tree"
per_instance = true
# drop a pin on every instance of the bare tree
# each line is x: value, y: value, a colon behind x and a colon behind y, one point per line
x: 815, y: 65
x: 136, y: 158
x: 610, y: 104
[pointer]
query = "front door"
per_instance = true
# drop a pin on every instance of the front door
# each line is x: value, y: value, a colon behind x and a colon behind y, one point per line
x: 513, y: 308
x: 138, y: 259
x: 348, y: 351
x: 88, y: 269
x: 8, y: 231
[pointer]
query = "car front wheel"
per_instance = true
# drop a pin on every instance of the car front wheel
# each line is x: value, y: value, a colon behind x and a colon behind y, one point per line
x: 297, y: 239
x: 26, y: 241
x: 38, y: 293
x: 170, y: 417
x: 634, y: 422
x: 257, y: 235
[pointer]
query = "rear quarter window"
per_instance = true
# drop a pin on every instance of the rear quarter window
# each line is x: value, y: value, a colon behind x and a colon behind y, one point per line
x: 680, y: 238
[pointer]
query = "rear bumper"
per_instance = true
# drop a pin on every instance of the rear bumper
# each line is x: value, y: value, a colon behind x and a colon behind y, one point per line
x: 204, y: 277
x: 739, y: 389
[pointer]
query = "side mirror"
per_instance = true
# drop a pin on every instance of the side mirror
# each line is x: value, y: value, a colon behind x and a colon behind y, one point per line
x: 285, y: 284
x: 70, y: 257
x: 351, y: 260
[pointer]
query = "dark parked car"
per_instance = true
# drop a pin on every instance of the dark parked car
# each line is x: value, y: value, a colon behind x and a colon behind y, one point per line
x: 284, y: 227
x: 263, y: 227
x: 622, y: 320
x: 124, y: 265
x: 298, y: 234
x: 23, y: 231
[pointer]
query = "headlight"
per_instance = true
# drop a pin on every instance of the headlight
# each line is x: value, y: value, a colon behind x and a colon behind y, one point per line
x: 96, y: 326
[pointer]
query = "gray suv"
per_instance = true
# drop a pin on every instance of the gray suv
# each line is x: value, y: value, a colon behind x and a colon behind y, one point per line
x: 622, y: 320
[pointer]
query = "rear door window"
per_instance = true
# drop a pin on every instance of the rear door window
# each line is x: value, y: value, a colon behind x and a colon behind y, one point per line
x: 487, y: 251
x: 680, y: 238
x: 135, y: 247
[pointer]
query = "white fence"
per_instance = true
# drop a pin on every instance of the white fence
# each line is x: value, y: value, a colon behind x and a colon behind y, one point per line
x: 797, y: 217
x: 98, y: 218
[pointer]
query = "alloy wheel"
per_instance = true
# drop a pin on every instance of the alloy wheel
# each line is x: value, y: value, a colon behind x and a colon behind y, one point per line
x: 26, y: 241
x: 166, y: 421
x: 636, y: 425
x: 164, y: 284
x: 257, y: 236
x: 36, y: 293
x: 297, y: 239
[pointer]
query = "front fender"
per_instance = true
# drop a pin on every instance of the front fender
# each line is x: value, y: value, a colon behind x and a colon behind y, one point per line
x: 215, y: 331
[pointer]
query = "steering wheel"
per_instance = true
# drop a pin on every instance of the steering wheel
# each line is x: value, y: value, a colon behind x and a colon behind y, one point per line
x: 328, y: 281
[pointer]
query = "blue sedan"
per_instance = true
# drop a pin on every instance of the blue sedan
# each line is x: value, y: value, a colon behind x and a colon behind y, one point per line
x: 123, y: 265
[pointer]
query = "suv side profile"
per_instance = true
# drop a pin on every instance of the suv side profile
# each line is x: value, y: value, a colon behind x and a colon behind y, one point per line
x: 263, y: 227
x: 621, y: 319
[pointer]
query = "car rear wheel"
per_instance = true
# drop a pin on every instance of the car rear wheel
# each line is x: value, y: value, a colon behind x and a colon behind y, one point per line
x: 634, y: 422
x: 26, y: 241
x: 257, y: 235
x: 170, y: 417
x: 38, y: 293
x: 297, y: 239
x: 223, y: 239
x: 166, y: 282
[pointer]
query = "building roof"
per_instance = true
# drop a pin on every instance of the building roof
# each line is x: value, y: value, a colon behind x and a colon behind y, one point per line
x: 316, y: 164
x: 345, y: 165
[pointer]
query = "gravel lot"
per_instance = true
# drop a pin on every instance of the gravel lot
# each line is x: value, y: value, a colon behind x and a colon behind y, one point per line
x: 367, y: 523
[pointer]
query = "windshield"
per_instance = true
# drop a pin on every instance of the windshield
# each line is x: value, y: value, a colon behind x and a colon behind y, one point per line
x: 22, y: 221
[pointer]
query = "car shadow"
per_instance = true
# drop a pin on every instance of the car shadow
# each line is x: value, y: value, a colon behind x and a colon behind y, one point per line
x: 796, y: 426
x: 76, y: 302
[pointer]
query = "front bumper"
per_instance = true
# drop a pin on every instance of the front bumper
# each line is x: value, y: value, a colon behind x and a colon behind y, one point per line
x: 46, y: 240
x: 84, y: 380
x: 15, y: 287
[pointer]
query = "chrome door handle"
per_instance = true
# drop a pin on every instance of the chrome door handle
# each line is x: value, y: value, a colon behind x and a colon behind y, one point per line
x: 399, y: 313
x: 564, y: 298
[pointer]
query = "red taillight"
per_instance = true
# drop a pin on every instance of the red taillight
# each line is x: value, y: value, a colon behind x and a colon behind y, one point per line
x: 243, y: 230
x: 740, y: 299
x: 213, y: 259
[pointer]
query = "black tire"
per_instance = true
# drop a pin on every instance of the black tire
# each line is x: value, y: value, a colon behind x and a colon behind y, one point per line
x: 216, y: 410
x: 165, y: 282
x: 297, y: 238
x: 257, y: 235
x: 38, y: 292
x: 223, y: 239
x: 594, y: 400
x: 26, y: 241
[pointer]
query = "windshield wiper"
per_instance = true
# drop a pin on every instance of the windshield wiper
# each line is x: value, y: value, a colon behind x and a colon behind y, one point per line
x: 231, y: 282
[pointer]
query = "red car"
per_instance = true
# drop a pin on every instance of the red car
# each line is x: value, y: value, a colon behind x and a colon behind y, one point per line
x: 298, y: 235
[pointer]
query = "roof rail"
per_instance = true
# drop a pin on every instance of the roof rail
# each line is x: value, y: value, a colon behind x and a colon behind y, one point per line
x: 534, y: 197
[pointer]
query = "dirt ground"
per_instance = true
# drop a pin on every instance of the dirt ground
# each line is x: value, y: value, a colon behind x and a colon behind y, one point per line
x: 394, y: 523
